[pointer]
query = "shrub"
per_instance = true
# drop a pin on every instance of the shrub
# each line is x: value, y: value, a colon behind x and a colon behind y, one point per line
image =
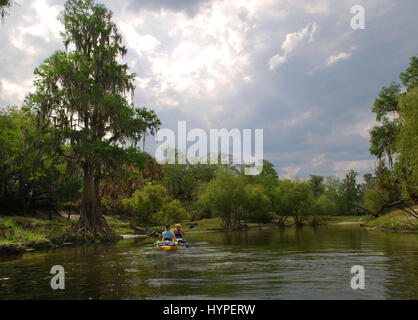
x: 146, y: 203
x: 172, y: 212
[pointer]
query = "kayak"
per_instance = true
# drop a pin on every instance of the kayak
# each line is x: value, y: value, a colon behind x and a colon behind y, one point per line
x: 181, y: 240
x: 163, y: 245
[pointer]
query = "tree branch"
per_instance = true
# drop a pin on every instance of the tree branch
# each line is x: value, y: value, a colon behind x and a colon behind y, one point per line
x: 383, y: 207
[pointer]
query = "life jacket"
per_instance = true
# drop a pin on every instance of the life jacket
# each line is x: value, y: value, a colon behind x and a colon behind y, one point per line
x: 178, y: 233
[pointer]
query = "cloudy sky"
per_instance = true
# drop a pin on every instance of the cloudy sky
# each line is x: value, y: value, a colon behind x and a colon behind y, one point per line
x: 293, y: 68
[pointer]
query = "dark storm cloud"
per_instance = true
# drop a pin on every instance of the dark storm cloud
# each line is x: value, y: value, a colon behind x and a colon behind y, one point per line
x: 315, y: 116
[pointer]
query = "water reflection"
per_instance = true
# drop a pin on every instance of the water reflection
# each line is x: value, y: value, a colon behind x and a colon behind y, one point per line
x: 296, y: 263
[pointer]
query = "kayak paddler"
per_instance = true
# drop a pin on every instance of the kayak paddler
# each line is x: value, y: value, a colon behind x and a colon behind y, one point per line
x: 168, y: 235
x: 178, y: 232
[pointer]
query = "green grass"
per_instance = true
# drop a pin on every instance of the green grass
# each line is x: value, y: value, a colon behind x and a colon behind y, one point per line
x: 120, y: 226
x: 28, y: 230
x: 395, y: 221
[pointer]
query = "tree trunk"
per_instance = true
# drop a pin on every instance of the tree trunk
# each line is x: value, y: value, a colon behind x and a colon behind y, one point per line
x: 91, y: 219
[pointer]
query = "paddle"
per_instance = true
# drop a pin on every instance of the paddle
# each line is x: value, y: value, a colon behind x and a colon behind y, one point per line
x: 194, y: 225
x: 152, y: 233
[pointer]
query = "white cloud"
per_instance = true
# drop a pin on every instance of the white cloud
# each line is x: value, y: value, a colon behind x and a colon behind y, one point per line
x: 361, y: 127
x: 142, y: 44
x: 291, y: 172
x: 12, y: 91
x: 202, y: 55
x: 41, y: 22
x: 340, y: 56
x: 291, y: 43
x: 276, y: 61
x: 318, y: 160
x: 360, y: 165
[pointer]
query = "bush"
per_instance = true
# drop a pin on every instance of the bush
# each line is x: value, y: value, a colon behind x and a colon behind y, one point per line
x: 151, y: 205
x: 325, y: 206
x: 223, y: 196
x: 373, y: 200
x: 257, y: 204
x: 172, y: 212
x: 146, y: 203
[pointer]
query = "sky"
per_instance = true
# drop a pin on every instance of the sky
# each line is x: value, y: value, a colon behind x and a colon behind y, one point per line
x: 295, y: 69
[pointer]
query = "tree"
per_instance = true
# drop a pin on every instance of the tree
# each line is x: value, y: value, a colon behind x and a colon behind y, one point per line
x: 4, y: 6
x: 293, y: 198
x: 350, y: 189
x: 257, y: 204
x: 146, y: 203
x: 409, y: 78
x: 151, y: 121
x: 30, y: 176
x: 408, y: 144
x: 268, y: 178
x: 396, y: 137
x: 172, y: 212
x: 383, y: 140
x: 183, y: 180
x: 81, y: 98
x: 316, y: 184
x: 224, y: 196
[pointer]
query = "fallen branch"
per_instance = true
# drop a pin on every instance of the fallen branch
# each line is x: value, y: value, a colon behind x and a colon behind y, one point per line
x: 383, y: 207
x: 408, y: 212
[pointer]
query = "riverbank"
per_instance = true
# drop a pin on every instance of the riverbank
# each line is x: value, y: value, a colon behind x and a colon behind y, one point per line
x: 395, y: 221
x: 19, y: 234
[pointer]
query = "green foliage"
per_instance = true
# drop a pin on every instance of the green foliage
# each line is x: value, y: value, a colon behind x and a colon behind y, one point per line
x: 396, y: 137
x: 30, y: 176
x: 409, y: 78
x: 183, y: 180
x: 268, y: 178
x: 374, y: 199
x: 316, y: 185
x: 152, y: 205
x: 325, y: 205
x: 408, y: 137
x: 293, y: 198
x: 146, y: 203
x: 172, y: 212
x: 387, y: 102
x: 350, y: 191
x: 257, y: 204
x: 395, y: 221
x: 224, y: 196
x: 4, y: 6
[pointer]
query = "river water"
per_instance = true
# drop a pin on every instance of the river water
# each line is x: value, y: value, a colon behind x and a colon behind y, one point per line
x: 303, y: 263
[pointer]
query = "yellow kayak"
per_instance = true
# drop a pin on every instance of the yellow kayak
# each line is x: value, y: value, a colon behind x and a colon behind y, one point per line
x: 163, y: 245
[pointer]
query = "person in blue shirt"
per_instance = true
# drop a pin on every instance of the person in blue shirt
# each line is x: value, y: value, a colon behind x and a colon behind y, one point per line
x: 168, y: 235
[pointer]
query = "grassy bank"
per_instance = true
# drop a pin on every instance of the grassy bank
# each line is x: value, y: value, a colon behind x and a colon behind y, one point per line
x: 395, y: 221
x: 20, y: 234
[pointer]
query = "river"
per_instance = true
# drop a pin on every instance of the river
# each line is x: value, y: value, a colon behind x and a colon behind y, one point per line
x: 303, y: 263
